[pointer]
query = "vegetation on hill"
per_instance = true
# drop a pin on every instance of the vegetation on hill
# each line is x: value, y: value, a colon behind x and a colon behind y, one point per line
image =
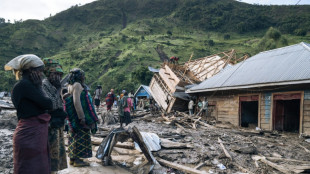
x: 115, y: 41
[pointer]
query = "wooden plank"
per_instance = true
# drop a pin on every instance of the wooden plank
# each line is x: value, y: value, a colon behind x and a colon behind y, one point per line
x: 306, y: 102
x: 307, y: 118
x: 224, y: 149
x: 182, y: 168
x: 306, y: 124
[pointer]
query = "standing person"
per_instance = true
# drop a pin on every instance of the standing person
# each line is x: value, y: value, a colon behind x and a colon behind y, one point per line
x: 52, y: 87
x: 110, y: 100
x: 122, y: 94
x: 205, y: 106
x: 30, y: 139
x: 124, y: 109
x: 82, y: 119
x: 191, y: 107
x: 97, y: 94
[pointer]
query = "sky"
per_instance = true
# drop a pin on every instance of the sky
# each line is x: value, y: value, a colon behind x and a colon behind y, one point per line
x: 35, y: 9
x: 41, y: 9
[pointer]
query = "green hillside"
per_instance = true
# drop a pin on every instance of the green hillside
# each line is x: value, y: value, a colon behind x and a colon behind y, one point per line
x: 114, y: 40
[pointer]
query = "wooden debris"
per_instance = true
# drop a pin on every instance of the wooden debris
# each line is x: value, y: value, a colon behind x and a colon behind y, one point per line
x: 123, y: 151
x: 304, y: 148
x: 126, y: 145
x: 285, y: 168
x: 179, y: 167
x: 200, y: 165
x: 224, y: 149
x: 244, y: 170
x: 96, y: 141
x: 174, y: 145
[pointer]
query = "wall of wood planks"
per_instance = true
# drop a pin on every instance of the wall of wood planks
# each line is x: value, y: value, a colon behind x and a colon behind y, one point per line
x: 306, y: 113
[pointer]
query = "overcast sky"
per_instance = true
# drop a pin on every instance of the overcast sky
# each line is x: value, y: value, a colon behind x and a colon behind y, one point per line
x: 40, y: 9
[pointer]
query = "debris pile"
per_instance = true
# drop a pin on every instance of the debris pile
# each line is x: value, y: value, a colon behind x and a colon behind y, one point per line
x: 169, y: 84
x: 193, y: 145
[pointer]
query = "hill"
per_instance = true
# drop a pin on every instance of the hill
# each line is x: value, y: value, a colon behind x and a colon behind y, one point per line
x: 113, y: 41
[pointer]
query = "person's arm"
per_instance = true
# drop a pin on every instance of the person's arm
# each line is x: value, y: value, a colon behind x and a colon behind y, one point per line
x: 35, y: 94
x: 76, y: 93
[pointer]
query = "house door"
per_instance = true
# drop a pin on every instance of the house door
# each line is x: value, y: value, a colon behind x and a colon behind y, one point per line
x: 286, y: 113
x: 248, y: 107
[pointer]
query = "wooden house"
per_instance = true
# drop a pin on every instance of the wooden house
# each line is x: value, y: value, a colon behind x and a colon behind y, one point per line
x: 270, y: 90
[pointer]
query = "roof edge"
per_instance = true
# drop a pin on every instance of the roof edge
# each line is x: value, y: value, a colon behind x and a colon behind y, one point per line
x: 250, y: 86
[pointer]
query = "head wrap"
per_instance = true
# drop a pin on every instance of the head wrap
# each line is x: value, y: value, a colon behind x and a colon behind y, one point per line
x: 51, y: 65
x: 23, y: 62
x: 123, y: 91
x: 76, y: 75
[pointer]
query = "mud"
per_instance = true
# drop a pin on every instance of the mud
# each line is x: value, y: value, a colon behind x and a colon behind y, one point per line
x: 7, y: 125
x: 241, y: 144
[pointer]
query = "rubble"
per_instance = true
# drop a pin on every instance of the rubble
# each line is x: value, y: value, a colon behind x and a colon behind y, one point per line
x: 189, y: 144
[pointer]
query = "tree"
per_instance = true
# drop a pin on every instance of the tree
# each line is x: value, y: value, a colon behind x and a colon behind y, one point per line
x: 2, y: 20
x: 142, y: 75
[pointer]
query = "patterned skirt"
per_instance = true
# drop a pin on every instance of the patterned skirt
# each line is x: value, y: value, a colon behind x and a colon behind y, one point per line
x: 57, y: 149
x: 80, y: 144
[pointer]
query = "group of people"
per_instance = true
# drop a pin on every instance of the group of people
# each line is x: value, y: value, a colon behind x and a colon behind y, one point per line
x: 202, y: 107
x: 42, y: 107
x: 124, y: 102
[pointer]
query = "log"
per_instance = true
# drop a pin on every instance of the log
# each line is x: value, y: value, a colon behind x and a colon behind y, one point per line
x: 304, y: 148
x: 96, y: 141
x: 224, y: 149
x: 285, y: 168
x: 123, y: 151
x: 286, y: 159
x: 180, y: 167
x: 271, y: 164
x: 126, y: 145
x: 174, y: 145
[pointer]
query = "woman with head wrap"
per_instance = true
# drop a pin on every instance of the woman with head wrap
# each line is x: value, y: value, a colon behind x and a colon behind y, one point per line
x: 124, y: 109
x: 82, y: 118
x: 30, y: 144
x: 51, y: 85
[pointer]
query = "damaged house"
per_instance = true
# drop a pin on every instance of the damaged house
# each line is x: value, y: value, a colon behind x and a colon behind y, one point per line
x: 270, y: 90
x: 169, y: 84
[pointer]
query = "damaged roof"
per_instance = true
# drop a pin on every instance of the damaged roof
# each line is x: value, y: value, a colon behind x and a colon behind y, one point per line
x: 282, y: 66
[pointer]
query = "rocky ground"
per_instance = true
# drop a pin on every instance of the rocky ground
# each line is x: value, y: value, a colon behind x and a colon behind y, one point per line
x: 205, y: 145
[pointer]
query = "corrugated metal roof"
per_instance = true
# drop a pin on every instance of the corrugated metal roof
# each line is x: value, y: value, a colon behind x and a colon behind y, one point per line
x: 147, y: 89
x: 286, y: 65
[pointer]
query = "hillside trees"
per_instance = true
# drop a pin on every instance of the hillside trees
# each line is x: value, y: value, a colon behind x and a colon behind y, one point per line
x: 272, y: 39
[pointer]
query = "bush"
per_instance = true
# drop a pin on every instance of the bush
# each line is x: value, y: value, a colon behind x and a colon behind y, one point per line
x: 226, y: 37
x: 273, y: 33
x: 300, y: 32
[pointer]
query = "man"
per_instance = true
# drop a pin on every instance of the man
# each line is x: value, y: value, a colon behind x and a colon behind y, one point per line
x: 204, y: 106
x: 97, y: 94
x: 191, y: 107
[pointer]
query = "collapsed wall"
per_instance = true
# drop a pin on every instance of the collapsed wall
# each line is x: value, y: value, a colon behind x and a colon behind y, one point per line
x: 169, y: 85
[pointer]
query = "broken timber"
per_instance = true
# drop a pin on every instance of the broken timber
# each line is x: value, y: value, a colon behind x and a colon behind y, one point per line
x: 179, y: 167
x: 164, y: 84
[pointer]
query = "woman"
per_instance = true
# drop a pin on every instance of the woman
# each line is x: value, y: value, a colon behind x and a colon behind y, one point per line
x: 30, y: 142
x: 51, y: 85
x: 82, y: 118
x: 124, y: 109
